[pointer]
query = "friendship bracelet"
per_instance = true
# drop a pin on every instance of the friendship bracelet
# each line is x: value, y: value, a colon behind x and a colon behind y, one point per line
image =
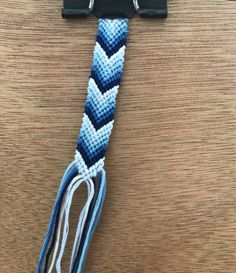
x: 88, y: 165
x: 102, y: 91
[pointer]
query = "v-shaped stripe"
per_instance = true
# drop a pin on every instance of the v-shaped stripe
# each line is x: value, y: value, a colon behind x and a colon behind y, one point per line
x: 94, y: 139
x: 112, y: 37
x: 100, y: 107
x: 107, y: 70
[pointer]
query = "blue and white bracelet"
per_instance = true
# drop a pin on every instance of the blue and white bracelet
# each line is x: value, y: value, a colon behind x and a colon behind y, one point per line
x: 88, y: 165
x: 89, y: 160
x: 103, y: 88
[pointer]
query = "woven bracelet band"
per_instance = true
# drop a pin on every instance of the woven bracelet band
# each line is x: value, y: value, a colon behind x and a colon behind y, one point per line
x: 103, y: 87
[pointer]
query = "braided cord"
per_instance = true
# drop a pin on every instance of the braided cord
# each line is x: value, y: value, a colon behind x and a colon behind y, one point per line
x: 103, y: 87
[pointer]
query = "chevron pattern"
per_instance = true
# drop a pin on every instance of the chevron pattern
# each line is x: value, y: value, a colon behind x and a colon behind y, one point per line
x: 103, y: 88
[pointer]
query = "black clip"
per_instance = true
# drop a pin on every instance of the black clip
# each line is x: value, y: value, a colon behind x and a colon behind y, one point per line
x: 115, y: 8
x: 77, y: 8
x: 156, y: 9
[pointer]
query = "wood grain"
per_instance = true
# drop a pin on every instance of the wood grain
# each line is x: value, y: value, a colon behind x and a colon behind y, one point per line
x: 171, y: 200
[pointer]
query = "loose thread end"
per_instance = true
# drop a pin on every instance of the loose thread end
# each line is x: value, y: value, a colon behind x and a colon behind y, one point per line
x: 58, y: 227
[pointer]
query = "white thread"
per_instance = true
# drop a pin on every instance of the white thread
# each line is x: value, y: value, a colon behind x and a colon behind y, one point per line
x: 77, y: 239
x: 75, y: 180
x: 81, y: 221
x: 65, y: 209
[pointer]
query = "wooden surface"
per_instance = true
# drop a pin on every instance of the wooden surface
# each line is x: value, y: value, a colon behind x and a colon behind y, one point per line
x: 171, y: 200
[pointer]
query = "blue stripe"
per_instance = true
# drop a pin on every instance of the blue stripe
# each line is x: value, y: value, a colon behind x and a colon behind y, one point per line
x: 110, y: 49
x: 105, y: 86
x: 99, y: 122
x: 90, y: 161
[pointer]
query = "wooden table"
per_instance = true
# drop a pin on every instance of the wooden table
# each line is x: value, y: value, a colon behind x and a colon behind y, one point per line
x: 171, y: 200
